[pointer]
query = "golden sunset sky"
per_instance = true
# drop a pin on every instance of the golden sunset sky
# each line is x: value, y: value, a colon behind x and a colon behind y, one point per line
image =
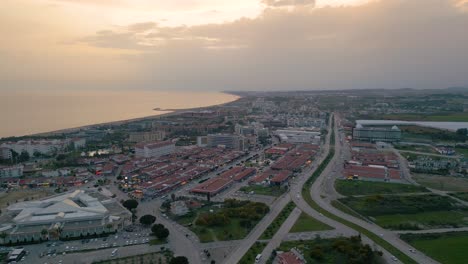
x: 233, y: 45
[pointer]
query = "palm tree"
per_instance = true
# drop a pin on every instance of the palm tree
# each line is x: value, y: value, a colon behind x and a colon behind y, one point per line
x: 109, y: 227
x: 3, y: 235
x: 44, y: 233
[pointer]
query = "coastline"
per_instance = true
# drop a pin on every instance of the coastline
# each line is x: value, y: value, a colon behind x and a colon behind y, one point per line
x: 171, y: 112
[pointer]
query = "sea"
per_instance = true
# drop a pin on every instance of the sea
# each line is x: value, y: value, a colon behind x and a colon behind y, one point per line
x: 31, y: 112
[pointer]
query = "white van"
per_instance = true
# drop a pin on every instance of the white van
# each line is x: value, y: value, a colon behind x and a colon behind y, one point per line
x: 258, y: 257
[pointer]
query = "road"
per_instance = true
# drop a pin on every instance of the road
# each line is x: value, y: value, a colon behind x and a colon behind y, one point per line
x: 280, y: 234
x: 323, y: 199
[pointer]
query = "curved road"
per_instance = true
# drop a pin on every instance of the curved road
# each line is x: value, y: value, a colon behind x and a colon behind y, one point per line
x: 327, y: 178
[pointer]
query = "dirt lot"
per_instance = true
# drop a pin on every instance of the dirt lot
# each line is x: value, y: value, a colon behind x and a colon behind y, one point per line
x: 13, y: 196
x: 443, y: 183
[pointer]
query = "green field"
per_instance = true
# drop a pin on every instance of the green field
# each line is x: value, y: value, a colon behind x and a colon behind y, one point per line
x: 442, y: 117
x: 220, y: 222
x: 443, y: 183
x: 264, y: 190
x: 253, y: 251
x: 461, y: 195
x: 348, y: 188
x: 306, y: 223
x: 410, y: 212
x: 279, y: 220
x: 417, y: 148
x: 447, y: 248
x: 337, y: 250
x: 462, y: 151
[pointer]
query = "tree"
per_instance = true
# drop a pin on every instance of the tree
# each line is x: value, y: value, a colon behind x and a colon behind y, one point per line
x: 156, y: 227
x: 24, y: 156
x: 179, y: 260
x: 130, y: 204
x: 160, y: 231
x: 147, y: 219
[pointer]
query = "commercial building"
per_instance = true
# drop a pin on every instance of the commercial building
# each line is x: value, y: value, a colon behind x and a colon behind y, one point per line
x: 154, y: 149
x: 229, y: 141
x: 298, y: 136
x: 73, y: 214
x: 373, y: 134
x: 146, y: 136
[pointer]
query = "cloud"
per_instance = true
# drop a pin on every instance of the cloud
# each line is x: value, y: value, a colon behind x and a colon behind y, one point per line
x: 140, y: 27
x: 383, y: 44
x: 277, y: 3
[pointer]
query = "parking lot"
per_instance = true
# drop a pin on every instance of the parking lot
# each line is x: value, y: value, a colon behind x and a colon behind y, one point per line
x: 55, y: 251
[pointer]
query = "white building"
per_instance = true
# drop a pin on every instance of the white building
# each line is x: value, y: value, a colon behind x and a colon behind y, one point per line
x: 74, y: 214
x: 298, y: 136
x: 230, y: 141
x: 147, y: 136
x: 5, y: 153
x: 11, y: 171
x: 154, y: 149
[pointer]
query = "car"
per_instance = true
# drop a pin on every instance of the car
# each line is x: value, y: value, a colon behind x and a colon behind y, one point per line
x: 394, y: 258
x: 412, y: 250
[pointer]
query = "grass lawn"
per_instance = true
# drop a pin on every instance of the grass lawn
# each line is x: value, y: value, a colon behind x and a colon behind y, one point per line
x: 410, y: 212
x: 279, y: 220
x: 347, y: 188
x: 417, y: 148
x: 275, y: 191
x: 156, y: 241
x: 433, y: 219
x: 345, y: 209
x: 454, y: 117
x: 443, y: 183
x: 149, y: 258
x: 306, y: 223
x: 447, y: 248
x: 463, y: 151
x: 236, y: 228
x: 461, y: 195
x: 253, y: 251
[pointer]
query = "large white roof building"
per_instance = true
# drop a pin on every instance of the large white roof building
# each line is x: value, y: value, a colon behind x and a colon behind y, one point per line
x: 72, y: 214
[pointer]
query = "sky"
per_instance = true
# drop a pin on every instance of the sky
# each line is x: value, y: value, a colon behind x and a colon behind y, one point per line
x: 219, y: 45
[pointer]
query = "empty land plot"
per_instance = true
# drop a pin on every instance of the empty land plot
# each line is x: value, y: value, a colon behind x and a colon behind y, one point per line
x: 19, y: 196
x: 306, y: 223
x: 449, y: 248
x: 348, y: 188
x: 410, y: 212
x: 443, y: 183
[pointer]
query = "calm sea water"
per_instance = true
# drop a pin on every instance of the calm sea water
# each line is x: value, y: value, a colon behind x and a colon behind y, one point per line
x: 24, y: 113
